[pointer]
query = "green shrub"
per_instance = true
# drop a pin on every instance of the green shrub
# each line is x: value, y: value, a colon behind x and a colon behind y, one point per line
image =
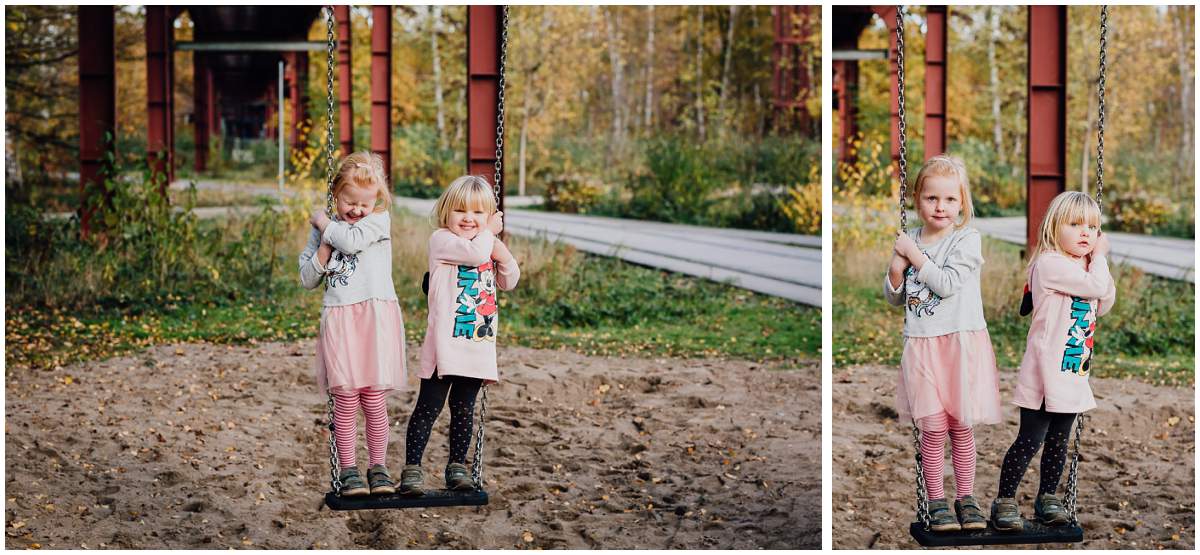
x: 1136, y: 211
x: 572, y: 194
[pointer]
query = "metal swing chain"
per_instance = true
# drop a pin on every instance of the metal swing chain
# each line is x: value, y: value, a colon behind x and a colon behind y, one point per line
x: 1071, y: 500
x: 901, y: 125
x: 334, y: 479
x: 922, y: 494
x: 477, y: 460
x: 1100, y: 120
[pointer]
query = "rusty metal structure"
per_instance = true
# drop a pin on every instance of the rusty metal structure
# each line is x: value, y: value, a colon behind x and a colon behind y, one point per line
x: 793, y: 64
x: 1046, y: 161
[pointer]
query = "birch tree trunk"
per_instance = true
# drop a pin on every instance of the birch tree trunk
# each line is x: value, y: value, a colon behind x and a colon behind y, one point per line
x: 700, y: 73
x: 728, y: 58
x: 994, y: 81
x: 1186, y: 97
x: 617, y: 80
x: 648, y: 111
x: 434, y: 20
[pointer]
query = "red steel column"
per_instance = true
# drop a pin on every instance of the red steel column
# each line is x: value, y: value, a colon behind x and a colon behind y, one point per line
x: 200, y: 106
x: 845, y: 87
x: 97, y: 96
x: 790, y: 68
x: 271, y: 97
x: 158, y: 90
x: 297, y: 83
x: 345, y: 92
x: 483, y: 90
x: 935, y: 80
x: 210, y: 98
x: 888, y: 14
x: 1046, y: 161
x: 381, y: 84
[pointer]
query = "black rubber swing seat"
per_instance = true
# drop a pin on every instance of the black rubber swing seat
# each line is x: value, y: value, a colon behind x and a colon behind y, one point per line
x: 1034, y: 532
x: 432, y: 498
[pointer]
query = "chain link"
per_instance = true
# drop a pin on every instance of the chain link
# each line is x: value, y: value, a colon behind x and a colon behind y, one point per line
x: 477, y: 463
x: 1072, y: 497
x: 497, y: 176
x: 1100, y: 120
x: 330, y: 62
x: 922, y: 494
x: 900, y: 115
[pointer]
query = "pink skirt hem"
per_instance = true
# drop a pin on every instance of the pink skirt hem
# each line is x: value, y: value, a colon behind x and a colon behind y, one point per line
x: 361, y: 346
x: 954, y: 373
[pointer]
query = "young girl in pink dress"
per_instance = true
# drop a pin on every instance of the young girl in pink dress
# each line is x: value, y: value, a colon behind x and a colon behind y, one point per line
x: 948, y: 381
x: 360, y: 351
x: 467, y: 264
x: 1071, y: 287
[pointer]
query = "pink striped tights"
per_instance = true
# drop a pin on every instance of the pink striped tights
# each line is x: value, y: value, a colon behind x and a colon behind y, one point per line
x: 345, y: 420
x: 934, y: 430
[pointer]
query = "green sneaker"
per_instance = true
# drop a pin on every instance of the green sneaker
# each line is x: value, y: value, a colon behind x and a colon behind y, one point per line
x: 1050, y: 510
x: 380, y: 481
x: 940, y: 517
x: 412, y: 480
x: 352, y: 483
x: 1006, y: 517
x: 458, y: 478
x: 970, y: 516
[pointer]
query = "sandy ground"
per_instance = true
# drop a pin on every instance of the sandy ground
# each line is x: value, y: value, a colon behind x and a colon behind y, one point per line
x: 203, y: 446
x: 1137, y: 472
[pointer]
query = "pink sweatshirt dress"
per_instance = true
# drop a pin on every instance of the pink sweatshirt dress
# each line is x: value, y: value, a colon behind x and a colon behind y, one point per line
x: 1067, y: 299
x: 463, y: 312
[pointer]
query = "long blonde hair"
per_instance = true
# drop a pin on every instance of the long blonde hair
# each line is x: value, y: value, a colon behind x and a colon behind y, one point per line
x: 466, y: 192
x: 944, y: 165
x: 364, y: 169
x: 1067, y: 208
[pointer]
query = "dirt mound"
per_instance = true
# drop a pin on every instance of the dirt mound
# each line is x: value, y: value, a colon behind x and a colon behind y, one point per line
x: 1137, y: 472
x: 204, y: 446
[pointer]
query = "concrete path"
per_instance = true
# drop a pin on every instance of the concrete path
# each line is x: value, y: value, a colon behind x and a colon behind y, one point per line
x: 1167, y: 257
x: 780, y: 264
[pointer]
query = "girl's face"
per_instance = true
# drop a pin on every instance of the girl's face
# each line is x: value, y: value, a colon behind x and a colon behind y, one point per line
x: 466, y: 222
x: 355, y: 203
x: 940, y: 202
x: 1077, y: 239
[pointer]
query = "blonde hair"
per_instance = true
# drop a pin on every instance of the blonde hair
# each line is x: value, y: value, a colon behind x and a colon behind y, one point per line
x: 466, y: 192
x: 944, y: 165
x: 364, y: 169
x: 1067, y: 208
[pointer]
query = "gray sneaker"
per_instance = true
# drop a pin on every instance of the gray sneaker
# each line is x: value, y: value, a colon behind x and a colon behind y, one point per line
x: 940, y: 517
x: 458, y: 478
x: 970, y: 516
x: 412, y: 480
x: 1050, y: 510
x: 380, y: 480
x: 1006, y: 517
x: 352, y: 483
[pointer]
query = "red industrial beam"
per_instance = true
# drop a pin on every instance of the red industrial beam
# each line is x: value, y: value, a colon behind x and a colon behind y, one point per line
x: 97, y: 98
x: 845, y: 89
x: 790, y: 78
x: 888, y: 14
x: 271, y: 98
x: 344, y: 93
x: 160, y: 147
x: 1046, y: 161
x: 297, y: 79
x: 200, y: 107
x: 935, y: 80
x: 483, y: 89
x: 381, y: 84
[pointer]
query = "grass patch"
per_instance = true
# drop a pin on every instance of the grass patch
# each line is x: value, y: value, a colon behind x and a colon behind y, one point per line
x: 1149, y: 335
x: 566, y: 300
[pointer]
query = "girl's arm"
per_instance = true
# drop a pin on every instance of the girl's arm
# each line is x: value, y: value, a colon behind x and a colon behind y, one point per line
x: 964, y: 261
x: 353, y: 239
x: 1058, y: 273
x: 312, y: 270
x: 893, y: 282
x: 507, y: 271
x: 448, y: 248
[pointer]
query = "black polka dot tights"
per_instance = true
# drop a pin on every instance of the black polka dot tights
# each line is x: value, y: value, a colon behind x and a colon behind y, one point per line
x: 1037, y: 427
x: 434, y: 391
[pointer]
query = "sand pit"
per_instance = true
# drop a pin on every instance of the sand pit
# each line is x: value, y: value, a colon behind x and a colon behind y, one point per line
x: 206, y: 446
x: 1137, y: 470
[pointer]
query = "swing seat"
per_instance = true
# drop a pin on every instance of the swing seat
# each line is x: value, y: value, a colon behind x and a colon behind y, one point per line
x: 432, y: 498
x: 1034, y: 532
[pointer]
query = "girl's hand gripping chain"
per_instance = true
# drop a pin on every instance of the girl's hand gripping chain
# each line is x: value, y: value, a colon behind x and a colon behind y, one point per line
x: 319, y: 220
x: 495, y: 222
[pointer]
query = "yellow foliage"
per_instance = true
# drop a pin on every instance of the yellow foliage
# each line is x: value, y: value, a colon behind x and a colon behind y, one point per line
x: 803, y: 203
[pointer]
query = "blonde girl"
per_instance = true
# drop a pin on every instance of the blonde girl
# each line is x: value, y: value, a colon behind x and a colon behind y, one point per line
x: 1071, y: 286
x: 360, y: 351
x: 948, y: 381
